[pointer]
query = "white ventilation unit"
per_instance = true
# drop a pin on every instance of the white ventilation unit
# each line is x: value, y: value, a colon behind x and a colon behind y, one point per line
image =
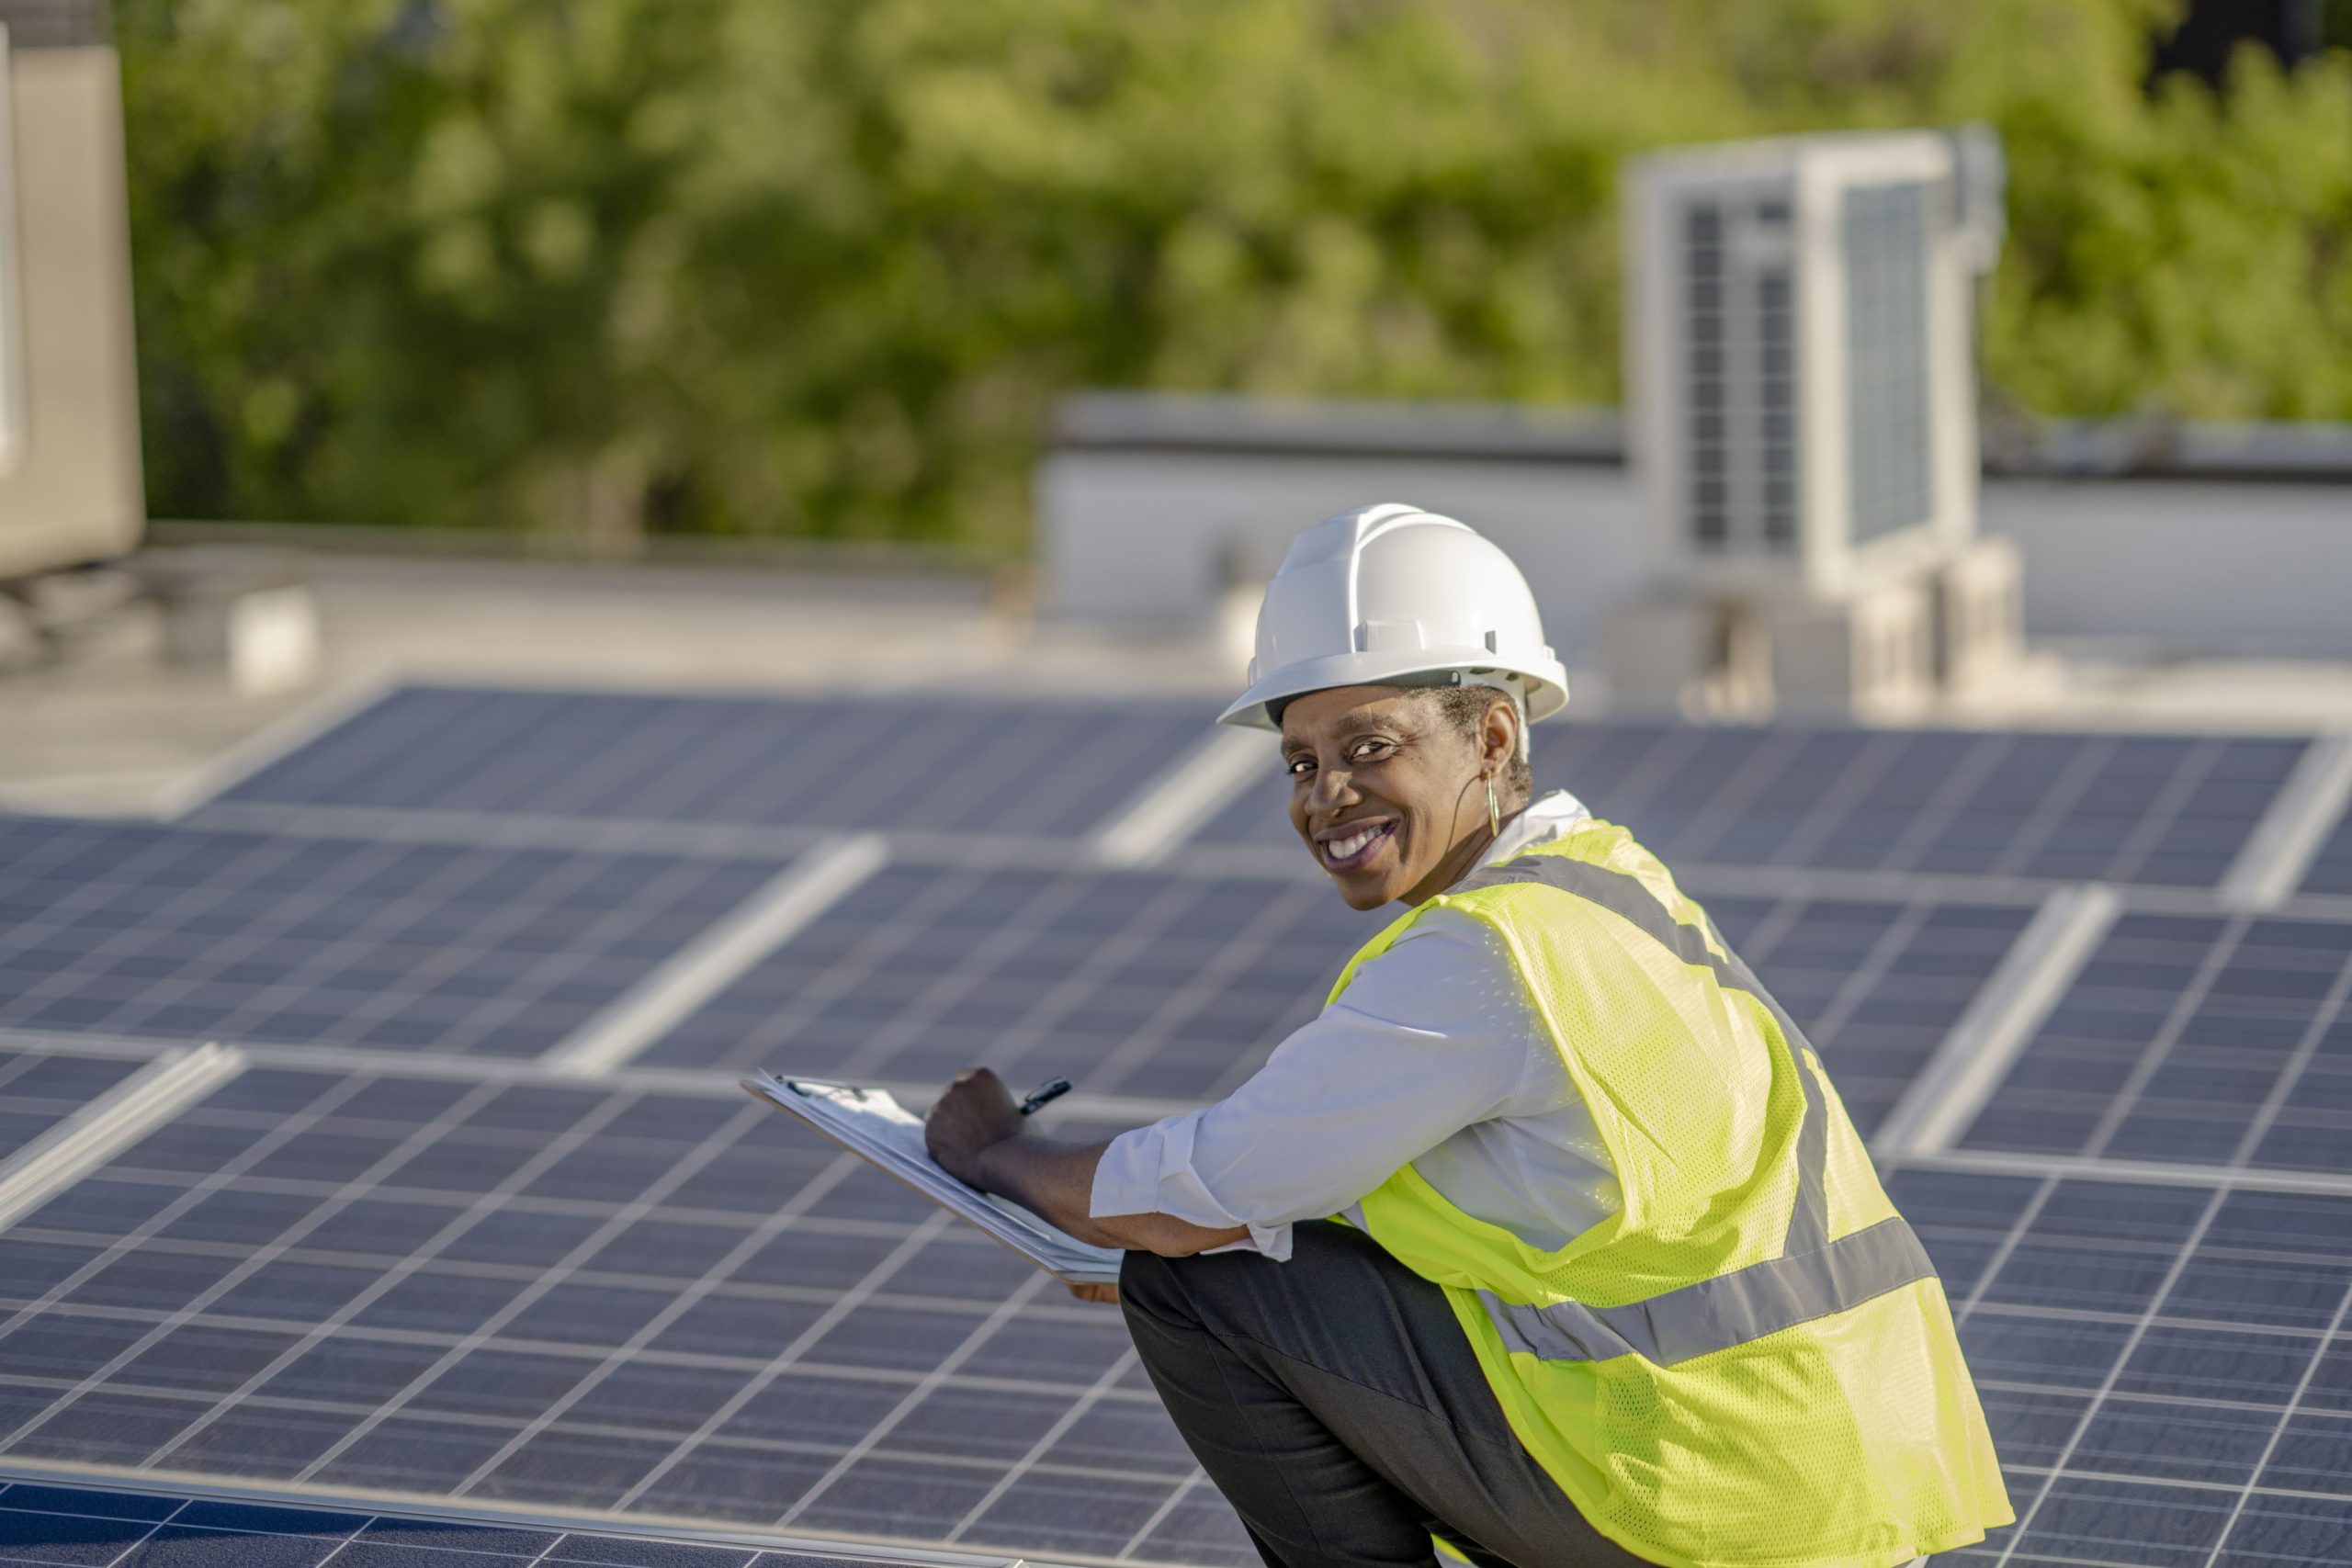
x: 70, y: 481
x: 1800, y: 358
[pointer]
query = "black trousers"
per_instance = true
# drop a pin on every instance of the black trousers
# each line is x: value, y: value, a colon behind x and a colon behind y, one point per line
x: 1335, y: 1404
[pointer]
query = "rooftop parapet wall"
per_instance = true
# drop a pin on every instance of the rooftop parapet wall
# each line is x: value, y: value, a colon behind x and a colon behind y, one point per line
x: 1207, y: 423
x: 2167, y: 538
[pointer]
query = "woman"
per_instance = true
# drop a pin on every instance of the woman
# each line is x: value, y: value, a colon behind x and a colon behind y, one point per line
x: 1548, y: 1242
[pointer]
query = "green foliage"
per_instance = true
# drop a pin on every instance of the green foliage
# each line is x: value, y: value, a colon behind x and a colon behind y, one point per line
x: 819, y: 266
x: 2194, y: 259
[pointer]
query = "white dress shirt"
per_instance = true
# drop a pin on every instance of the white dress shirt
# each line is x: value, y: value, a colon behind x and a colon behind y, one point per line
x: 1434, y: 1058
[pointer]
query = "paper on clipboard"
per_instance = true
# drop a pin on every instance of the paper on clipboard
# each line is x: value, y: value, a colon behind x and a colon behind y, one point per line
x: 870, y: 1124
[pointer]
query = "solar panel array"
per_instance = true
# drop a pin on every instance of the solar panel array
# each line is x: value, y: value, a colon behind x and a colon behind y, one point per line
x: 397, y: 1254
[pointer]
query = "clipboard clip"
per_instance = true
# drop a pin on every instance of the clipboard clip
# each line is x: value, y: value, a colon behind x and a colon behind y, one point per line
x: 806, y: 1088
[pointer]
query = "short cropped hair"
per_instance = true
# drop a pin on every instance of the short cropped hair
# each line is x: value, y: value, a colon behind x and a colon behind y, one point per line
x: 1464, y: 708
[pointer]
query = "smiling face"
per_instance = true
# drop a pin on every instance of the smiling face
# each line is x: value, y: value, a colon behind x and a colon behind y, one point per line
x: 1388, y: 793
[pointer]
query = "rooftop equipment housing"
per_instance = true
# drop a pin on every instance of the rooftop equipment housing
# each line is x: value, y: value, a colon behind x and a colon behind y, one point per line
x: 1799, y: 349
x: 69, y: 482
x: 1800, y: 356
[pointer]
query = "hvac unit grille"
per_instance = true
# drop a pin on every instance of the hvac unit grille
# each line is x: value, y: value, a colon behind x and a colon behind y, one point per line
x: 1703, y: 283
x: 1776, y: 389
x: 1740, y: 320
x: 1891, y: 469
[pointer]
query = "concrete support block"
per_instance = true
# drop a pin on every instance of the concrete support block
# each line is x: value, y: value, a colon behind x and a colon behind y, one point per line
x: 1979, y: 610
x: 1704, y: 658
x: 1659, y: 650
x: 1872, y: 656
x: 249, y: 613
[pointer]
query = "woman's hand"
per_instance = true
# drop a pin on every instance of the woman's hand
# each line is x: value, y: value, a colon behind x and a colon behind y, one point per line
x: 1103, y: 1295
x: 976, y: 1111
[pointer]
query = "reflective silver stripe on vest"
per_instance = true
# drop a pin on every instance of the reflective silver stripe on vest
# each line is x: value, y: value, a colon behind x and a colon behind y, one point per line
x: 1814, y: 1278
x: 1730, y: 1309
x: 1809, y: 1216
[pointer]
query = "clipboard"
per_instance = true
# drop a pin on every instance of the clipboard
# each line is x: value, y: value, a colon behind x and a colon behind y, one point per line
x: 872, y: 1125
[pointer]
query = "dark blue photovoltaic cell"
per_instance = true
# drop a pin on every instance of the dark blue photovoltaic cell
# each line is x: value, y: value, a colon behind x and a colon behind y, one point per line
x: 184, y: 933
x: 2330, y: 867
x: 2166, y: 1370
x: 2124, y: 808
x: 46, y: 1522
x: 41, y: 1089
x: 569, y: 1297
x: 2205, y: 1038
x: 943, y: 764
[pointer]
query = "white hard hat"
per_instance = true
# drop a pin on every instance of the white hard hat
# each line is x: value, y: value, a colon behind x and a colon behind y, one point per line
x: 1384, y: 594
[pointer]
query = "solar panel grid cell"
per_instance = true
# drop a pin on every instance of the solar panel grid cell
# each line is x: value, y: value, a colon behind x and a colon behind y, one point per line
x: 184, y: 933
x: 579, y: 1298
x: 2208, y: 1039
x: 1048, y: 768
x: 2165, y: 1367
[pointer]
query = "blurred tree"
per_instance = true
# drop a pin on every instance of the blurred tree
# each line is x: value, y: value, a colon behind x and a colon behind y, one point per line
x: 820, y: 267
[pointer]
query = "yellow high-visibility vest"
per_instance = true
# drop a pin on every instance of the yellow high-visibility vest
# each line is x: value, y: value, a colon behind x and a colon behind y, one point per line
x: 1751, y: 1364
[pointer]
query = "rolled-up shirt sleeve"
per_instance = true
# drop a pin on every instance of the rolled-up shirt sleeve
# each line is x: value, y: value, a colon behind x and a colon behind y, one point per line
x: 1430, y: 1037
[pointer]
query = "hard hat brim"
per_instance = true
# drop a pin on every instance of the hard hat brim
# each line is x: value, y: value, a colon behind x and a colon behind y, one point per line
x: 1548, y: 683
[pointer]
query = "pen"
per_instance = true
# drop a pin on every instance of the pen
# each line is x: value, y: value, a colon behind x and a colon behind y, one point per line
x: 1048, y: 1092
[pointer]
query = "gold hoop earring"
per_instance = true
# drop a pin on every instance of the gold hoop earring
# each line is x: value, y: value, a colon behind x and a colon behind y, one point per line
x: 1494, y: 812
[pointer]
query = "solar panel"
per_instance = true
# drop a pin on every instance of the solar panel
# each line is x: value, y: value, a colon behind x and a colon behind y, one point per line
x: 51, y: 1522
x: 575, y: 1297
x: 2165, y: 1367
x: 41, y: 1089
x: 1139, y: 983
x: 2128, y: 809
x: 948, y: 765
x: 185, y: 934
x: 2221, y: 1039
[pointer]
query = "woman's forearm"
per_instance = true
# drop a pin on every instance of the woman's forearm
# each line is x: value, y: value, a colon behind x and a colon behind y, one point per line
x: 1055, y: 1183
